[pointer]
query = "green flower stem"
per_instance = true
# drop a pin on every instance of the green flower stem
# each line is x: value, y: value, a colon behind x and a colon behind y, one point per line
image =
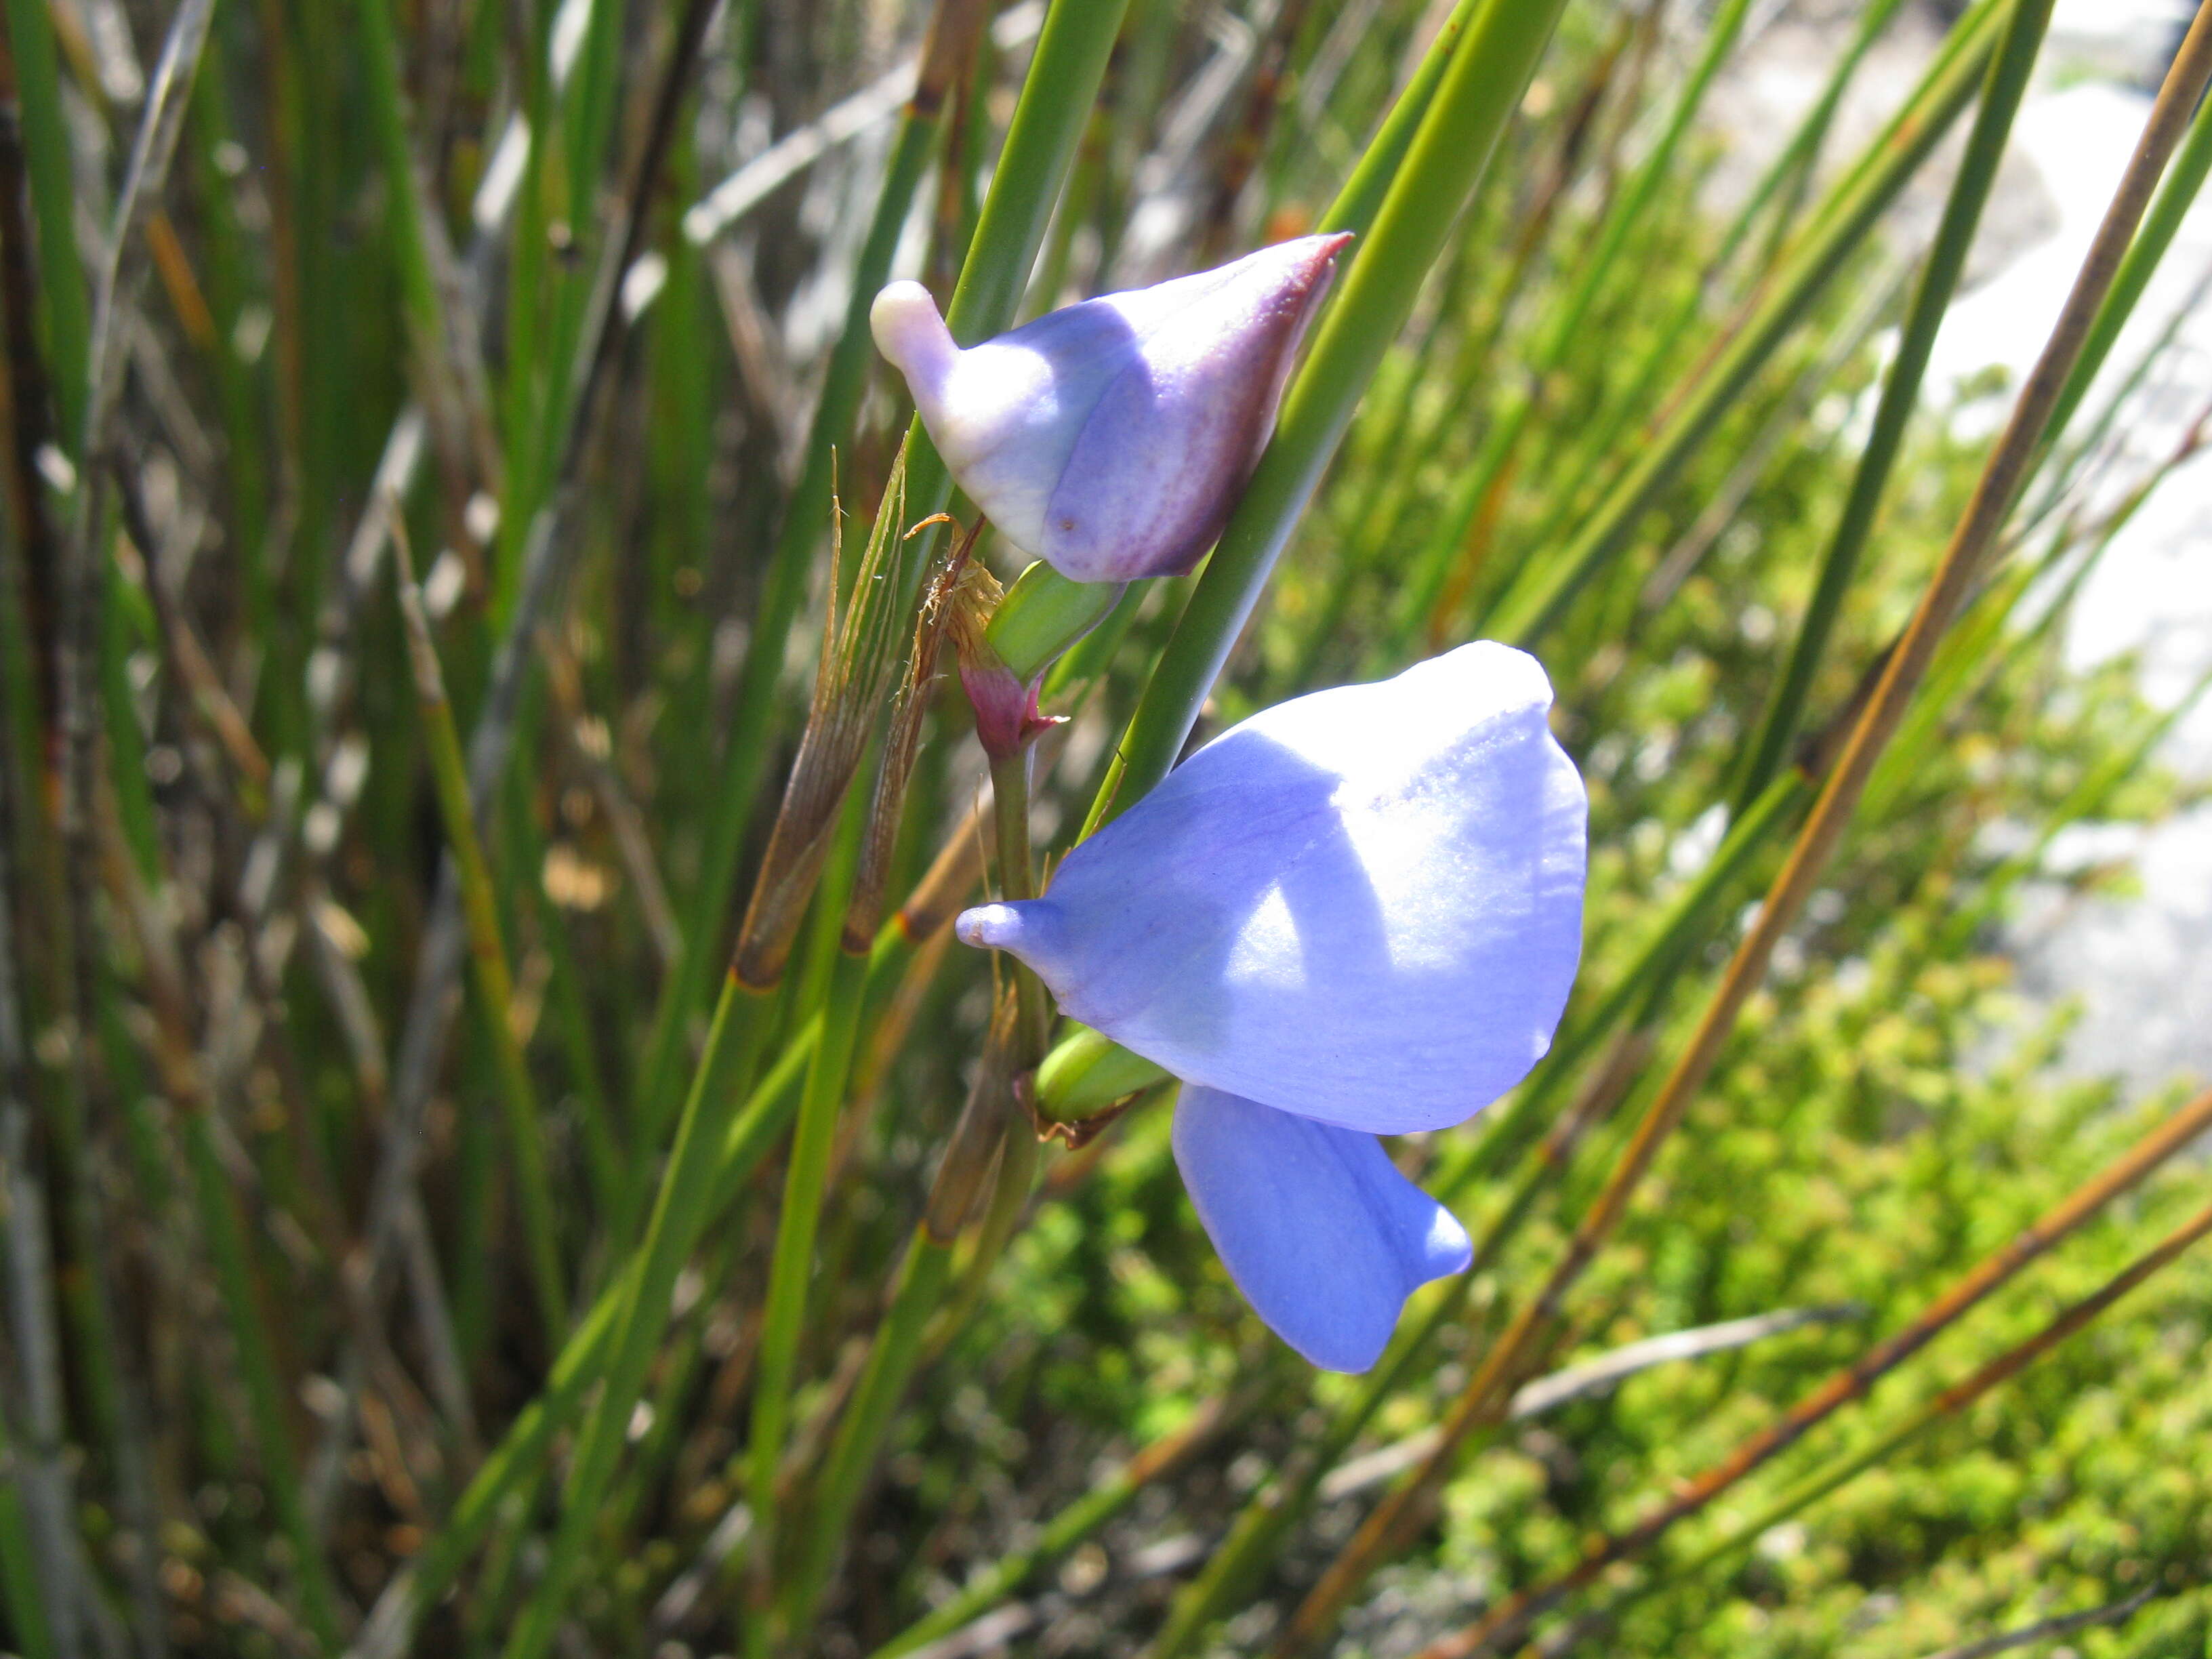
x: 487, y: 958
x: 2005, y: 85
x: 1562, y: 329
x: 1010, y: 810
x: 1476, y: 94
x: 1538, y: 598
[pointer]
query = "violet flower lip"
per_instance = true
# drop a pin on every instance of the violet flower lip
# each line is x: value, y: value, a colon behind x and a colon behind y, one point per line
x: 1111, y: 438
x: 1358, y: 912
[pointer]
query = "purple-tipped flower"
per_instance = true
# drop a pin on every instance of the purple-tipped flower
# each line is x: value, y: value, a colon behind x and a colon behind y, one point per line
x: 1356, y: 913
x: 1111, y: 438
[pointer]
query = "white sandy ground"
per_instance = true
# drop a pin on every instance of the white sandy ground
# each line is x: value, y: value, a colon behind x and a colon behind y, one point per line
x: 2140, y: 965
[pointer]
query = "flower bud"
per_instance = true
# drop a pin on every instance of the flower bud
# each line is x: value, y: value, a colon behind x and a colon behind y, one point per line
x: 1111, y: 438
x: 1006, y: 704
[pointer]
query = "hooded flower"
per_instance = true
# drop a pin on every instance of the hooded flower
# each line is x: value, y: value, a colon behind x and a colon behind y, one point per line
x: 1111, y: 438
x: 1357, y: 913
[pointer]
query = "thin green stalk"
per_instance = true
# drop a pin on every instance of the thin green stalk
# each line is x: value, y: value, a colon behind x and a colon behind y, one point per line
x: 21, y: 1592
x: 792, y: 1266
x: 54, y: 201
x: 488, y: 957
x: 265, y: 1389
x: 1563, y: 328
x: 679, y: 1213
x: 2003, y: 91
x: 2176, y: 194
x: 1479, y: 90
x: 924, y: 1275
x: 1540, y: 594
x: 521, y: 1457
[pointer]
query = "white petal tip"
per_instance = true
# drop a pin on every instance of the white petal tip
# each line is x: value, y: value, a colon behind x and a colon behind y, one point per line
x: 908, y: 330
x: 989, y: 926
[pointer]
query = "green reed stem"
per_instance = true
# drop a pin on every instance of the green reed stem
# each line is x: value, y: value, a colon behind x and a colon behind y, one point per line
x: 1477, y: 92
x: 387, y: 99
x: 1562, y: 329
x: 46, y: 147
x: 2005, y: 85
x: 2183, y: 179
x: 489, y: 962
x: 521, y: 1455
x: 792, y: 1266
x: 679, y: 1214
x: 22, y: 1593
x: 893, y: 1354
x: 217, y: 1206
x: 1539, y: 596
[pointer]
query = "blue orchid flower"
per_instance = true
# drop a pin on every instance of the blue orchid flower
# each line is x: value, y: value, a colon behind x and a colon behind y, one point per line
x: 1111, y: 438
x: 1357, y: 913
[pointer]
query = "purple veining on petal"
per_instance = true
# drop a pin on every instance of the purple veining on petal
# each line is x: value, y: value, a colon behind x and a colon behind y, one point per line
x: 1361, y: 906
x: 1111, y: 438
x: 1323, y: 1235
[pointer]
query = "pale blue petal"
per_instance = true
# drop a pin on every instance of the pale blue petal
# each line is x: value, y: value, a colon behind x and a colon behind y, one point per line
x: 1321, y: 1232
x: 1363, y: 906
x: 1111, y: 438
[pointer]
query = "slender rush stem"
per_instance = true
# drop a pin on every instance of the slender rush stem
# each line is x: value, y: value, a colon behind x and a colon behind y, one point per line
x: 679, y: 1213
x: 1533, y: 605
x: 2007, y: 84
x: 792, y: 1267
x: 489, y: 962
x: 1564, y: 326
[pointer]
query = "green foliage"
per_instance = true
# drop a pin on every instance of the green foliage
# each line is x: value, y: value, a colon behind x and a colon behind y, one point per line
x: 337, y: 1323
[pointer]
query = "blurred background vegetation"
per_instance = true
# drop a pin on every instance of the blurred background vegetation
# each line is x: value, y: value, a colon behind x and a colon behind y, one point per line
x: 545, y: 317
